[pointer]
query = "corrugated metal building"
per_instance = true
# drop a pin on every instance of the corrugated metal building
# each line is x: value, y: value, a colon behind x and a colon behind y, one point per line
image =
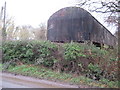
x: 76, y: 24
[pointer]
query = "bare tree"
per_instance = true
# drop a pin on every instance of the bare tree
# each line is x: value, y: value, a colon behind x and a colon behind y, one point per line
x: 103, y: 6
x: 112, y: 7
x: 7, y: 32
x: 10, y: 26
x: 40, y: 33
x: 6, y: 24
x: 23, y: 33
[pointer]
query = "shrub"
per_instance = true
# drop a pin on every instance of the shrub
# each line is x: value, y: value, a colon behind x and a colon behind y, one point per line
x: 93, y: 68
x: 29, y: 52
x: 69, y: 57
x: 94, y: 71
x: 73, y: 51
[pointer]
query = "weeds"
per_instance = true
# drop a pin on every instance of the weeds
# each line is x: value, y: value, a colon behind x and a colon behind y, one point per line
x: 72, y: 58
x: 45, y: 73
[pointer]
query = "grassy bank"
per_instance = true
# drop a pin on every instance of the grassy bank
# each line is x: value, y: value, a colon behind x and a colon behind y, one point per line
x: 76, y: 63
x: 45, y: 73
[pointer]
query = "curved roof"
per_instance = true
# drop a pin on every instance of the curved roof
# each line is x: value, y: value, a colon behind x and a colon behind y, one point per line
x: 75, y: 23
x: 70, y: 12
x: 73, y: 13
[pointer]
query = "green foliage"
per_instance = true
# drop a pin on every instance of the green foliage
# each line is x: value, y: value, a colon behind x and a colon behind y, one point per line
x: 41, y: 72
x: 113, y: 59
x: 97, y: 51
x: 29, y: 52
x: 111, y: 84
x: 94, y: 72
x: 0, y: 67
x: 93, y: 68
x: 69, y: 57
x: 73, y: 51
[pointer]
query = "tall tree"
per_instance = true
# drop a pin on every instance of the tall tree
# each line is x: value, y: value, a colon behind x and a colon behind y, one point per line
x: 10, y: 26
x: 6, y: 24
x: 103, y: 6
x: 7, y: 33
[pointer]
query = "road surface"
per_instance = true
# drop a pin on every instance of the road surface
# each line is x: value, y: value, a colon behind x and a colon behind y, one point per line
x: 18, y: 81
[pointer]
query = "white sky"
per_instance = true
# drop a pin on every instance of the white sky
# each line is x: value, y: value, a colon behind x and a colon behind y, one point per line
x: 34, y: 12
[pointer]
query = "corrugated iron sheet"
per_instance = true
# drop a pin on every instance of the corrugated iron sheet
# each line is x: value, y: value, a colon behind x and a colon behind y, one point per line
x: 76, y: 24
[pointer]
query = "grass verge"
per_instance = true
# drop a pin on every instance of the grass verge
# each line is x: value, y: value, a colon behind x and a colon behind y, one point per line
x: 45, y: 73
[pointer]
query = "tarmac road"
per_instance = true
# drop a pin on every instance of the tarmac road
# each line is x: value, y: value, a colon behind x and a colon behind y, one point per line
x: 18, y: 81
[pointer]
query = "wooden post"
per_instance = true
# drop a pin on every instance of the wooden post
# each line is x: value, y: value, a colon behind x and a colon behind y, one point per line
x: 1, y: 13
x: 4, y: 24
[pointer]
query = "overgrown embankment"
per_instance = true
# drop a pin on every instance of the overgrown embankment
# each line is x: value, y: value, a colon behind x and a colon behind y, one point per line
x: 72, y: 58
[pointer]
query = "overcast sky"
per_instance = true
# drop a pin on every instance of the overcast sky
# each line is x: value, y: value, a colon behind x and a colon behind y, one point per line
x: 34, y: 12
